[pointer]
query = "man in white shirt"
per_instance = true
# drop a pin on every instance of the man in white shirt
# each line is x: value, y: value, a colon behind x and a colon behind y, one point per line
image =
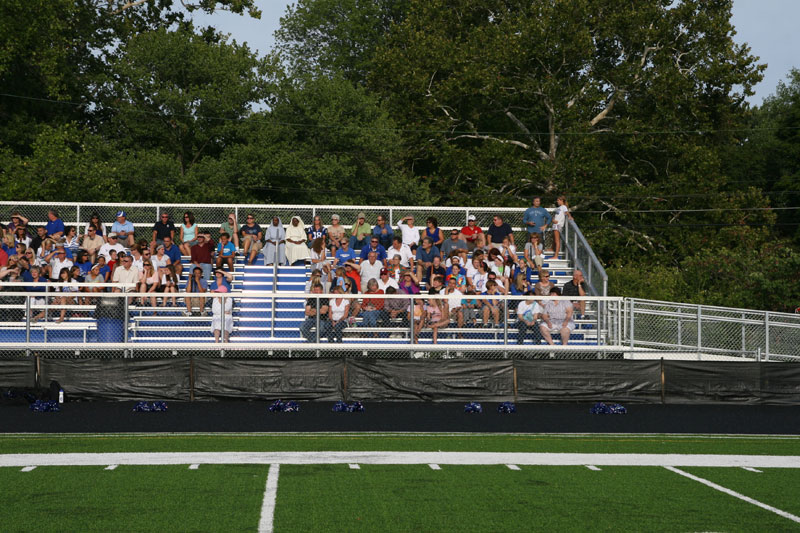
x: 58, y: 260
x: 402, y: 250
x: 370, y: 269
x: 528, y: 313
x: 409, y: 232
x: 385, y: 281
x: 454, y: 303
x: 112, y: 244
x: 125, y: 272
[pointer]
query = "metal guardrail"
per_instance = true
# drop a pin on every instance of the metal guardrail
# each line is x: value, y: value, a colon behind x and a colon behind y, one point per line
x: 583, y: 258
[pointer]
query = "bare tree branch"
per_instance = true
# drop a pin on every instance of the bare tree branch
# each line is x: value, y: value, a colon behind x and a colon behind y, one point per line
x: 127, y: 6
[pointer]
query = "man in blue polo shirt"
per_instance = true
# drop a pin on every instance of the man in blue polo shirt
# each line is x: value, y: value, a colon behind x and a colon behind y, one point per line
x: 55, y: 226
x: 536, y: 218
x: 174, y: 254
x: 425, y: 255
x: 374, y: 246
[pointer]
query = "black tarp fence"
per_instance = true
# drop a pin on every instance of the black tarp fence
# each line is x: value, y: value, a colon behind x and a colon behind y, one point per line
x: 352, y: 378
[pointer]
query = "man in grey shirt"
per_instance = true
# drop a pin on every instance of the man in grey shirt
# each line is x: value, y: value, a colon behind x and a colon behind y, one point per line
x: 453, y: 243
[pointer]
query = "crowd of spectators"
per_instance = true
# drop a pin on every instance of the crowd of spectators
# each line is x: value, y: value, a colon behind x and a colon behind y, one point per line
x: 360, y: 259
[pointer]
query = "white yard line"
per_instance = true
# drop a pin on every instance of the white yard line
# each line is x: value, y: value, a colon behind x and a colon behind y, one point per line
x: 735, y: 494
x: 354, y: 466
x: 194, y: 467
x: 400, y: 458
x: 265, y: 524
x: 513, y: 467
x: 27, y: 469
x: 111, y: 467
x: 592, y: 467
x: 434, y: 466
x: 756, y: 470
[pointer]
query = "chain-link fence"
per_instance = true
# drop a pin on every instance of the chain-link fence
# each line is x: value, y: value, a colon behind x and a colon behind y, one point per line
x: 714, y: 330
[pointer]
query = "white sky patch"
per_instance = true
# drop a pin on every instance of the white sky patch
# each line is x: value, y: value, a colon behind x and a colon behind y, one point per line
x: 265, y: 523
x: 401, y: 458
x: 735, y: 494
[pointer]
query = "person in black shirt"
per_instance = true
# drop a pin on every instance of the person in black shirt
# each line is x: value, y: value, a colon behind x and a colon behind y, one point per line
x: 497, y: 231
x: 163, y: 228
x: 576, y: 287
x: 314, y: 307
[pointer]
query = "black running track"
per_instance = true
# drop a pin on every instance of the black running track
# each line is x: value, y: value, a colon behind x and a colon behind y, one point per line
x: 232, y: 416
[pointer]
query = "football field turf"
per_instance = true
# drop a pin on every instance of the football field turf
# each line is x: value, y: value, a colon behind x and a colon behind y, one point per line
x: 399, y: 482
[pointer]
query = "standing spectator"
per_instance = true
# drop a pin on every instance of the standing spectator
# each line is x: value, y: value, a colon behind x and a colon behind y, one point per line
x: 126, y: 273
x: 226, y: 252
x: 338, y: 315
x: 498, y: 231
x: 470, y: 232
x: 434, y: 232
x: 174, y: 254
x: 275, y: 243
x: 359, y: 233
x: 537, y: 218
x: 453, y: 243
x: 409, y: 232
x: 195, y: 285
x: 344, y: 253
x: 164, y: 227
x: 231, y: 227
x: 252, y: 236
x: 376, y: 247
x: 335, y: 234
x: 577, y: 287
x: 55, y: 226
x: 202, y: 253
x: 188, y: 233
x: 316, y: 231
x: 544, y: 286
x: 383, y: 232
x: 124, y: 229
x: 557, y: 319
x: 316, y: 308
x: 222, y: 316
x: 100, y: 228
x: 425, y: 255
x: 534, y: 250
x: 529, y: 312
x: 92, y: 242
x: 402, y: 251
x: 296, y: 248
x: 559, y: 222
x: 371, y: 268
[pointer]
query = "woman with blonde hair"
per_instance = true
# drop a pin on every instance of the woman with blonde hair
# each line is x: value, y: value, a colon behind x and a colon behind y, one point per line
x: 559, y: 223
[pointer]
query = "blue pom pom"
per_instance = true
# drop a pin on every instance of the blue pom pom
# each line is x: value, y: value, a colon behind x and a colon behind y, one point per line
x: 473, y: 407
x: 150, y: 407
x: 507, y: 408
x: 602, y: 409
x: 279, y: 406
x: 339, y: 407
x: 356, y: 407
x: 40, y: 406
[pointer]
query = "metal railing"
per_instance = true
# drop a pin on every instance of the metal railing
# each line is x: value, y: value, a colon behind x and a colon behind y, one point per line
x: 580, y: 253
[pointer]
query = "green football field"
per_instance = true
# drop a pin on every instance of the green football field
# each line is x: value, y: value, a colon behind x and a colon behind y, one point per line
x: 399, y: 482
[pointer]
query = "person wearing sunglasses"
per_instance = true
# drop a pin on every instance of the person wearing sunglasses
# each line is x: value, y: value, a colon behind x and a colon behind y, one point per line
x: 164, y: 227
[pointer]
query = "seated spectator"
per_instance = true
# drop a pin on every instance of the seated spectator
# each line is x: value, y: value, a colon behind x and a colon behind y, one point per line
x: 160, y: 260
x: 336, y: 233
x: 105, y: 270
x: 58, y: 261
x: 222, y: 315
x: 112, y: 244
x: 252, y: 237
x: 17, y: 220
x: 470, y: 232
x: 457, y: 275
x: 82, y: 261
x: 137, y: 256
x: 434, y: 232
x: 226, y: 252
x: 231, y: 227
x: 544, y: 286
x: 221, y: 279
x: 454, y: 303
x: 372, y: 308
x: 360, y: 232
x: 296, y: 249
x: 409, y: 284
x: 492, y: 307
x: 55, y: 226
x: 95, y: 276
x: 470, y: 307
x: 371, y: 268
x: 344, y: 253
x: 529, y: 313
x: 125, y: 273
x: 436, y: 285
x: 92, y: 243
x: 188, y: 233
x: 38, y: 239
x: 149, y: 281
x: 376, y: 247
x: 319, y: 257
x: 417, y: 316
x: 498, y: 231
x: 577, y: 287
x: 196, y: 284
x: 100, y: 228
x: 172, y: 251
x: 67, y: 288
x: 164, y: 227
x: 410, y: 234
x: 40, y: 288
x: 401, y: 250
x: 425, y: 255
x: 316, y: 309
x: 477, y: 281
x: 169, y: 285
x: 534, y: 251
x: 275, y: 243
x: 453, y: 243
x: 480, y: 244
x: 351, y: 271
x: 71, y: 239
x: 124, y: 229
x: 383, y: 232
x: 437, y: 315
x: 202, y: 254
x: 21, y: 236
x: 520, y: 286
x: 385, y: 281
x: 396, y: 308
x: 316, y: 231
x: 395, y: 269
x: 557, y: 318
x: 318, y: 277
x: 113, y: 262
x: 436, y: 268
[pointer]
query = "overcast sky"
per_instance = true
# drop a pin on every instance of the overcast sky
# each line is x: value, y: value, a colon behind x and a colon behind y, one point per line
x: 770, y: 27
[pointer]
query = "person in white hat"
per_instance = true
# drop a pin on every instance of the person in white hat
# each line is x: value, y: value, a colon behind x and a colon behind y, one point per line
x: 470, y: 232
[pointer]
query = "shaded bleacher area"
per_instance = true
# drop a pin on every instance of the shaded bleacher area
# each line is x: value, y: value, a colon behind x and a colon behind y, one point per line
x: 274, y: 315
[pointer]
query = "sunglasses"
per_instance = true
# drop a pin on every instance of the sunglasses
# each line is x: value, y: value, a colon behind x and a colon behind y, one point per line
x: 148, y: 264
